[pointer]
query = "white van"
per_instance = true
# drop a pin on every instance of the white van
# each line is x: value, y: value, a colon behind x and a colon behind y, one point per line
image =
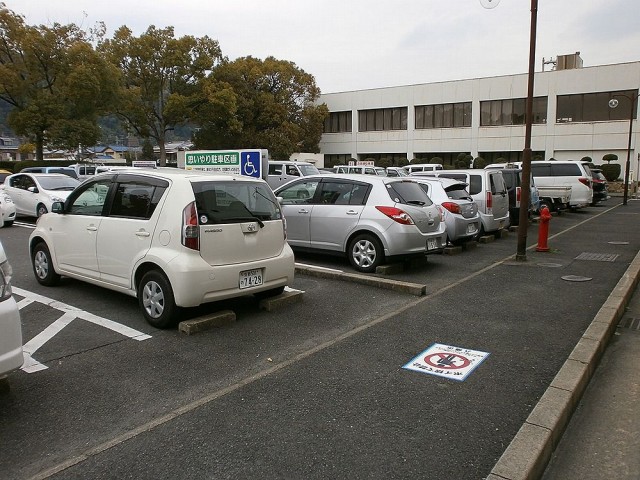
x: 422, y: 167
x: 361, y: 169
x: 488, y: 189
x: 281, y: 172
x: 565, y: 173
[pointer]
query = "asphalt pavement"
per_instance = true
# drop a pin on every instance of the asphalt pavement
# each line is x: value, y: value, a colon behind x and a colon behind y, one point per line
x: 343, y: 406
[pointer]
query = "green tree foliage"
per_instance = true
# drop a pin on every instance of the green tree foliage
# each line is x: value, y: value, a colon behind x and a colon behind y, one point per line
x: 479, y: 162
x: 162, y: 79
x: 54, y: 80
x: 610, y: 157
x: 275, y: 108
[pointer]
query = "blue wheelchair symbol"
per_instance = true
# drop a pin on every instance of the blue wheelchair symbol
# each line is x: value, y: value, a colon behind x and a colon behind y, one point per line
x: 250, y: 163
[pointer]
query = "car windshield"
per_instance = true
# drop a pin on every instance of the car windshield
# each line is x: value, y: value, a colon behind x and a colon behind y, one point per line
x: 408, y: 193
x: 53, y: 182
x: 308, y: 169
x: 234, y: 201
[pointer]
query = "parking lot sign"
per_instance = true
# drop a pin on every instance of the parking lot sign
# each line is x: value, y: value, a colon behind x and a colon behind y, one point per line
x: 234, y: 162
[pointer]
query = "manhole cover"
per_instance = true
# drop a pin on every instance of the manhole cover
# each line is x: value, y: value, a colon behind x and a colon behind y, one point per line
x: 576, y: 278
x: 553, y: 265
x: 618, y: 243
x: 598, y: 257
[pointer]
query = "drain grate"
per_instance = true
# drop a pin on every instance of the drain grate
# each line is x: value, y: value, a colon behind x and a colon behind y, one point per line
x: 598, y: 257
x: 632, y: 323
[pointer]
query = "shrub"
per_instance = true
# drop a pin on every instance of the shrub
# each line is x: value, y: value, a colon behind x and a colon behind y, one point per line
x: 479, y: 162
x: 610, y: 157
x: 611, y: 171
x: 436, y: 160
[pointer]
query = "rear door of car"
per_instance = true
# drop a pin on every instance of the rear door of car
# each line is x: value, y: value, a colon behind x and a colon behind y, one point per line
x: 336, y: 213
x: 126, y: 231
x: 239, y: 221
x: 499, y: 195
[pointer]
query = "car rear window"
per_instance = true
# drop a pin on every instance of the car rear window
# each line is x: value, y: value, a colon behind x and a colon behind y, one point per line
x: 457, y: 191
x: 408, y: 193
x: 234, y: 201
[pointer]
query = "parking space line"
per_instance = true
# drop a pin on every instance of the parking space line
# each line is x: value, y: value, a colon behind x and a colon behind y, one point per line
x: 70, y: 313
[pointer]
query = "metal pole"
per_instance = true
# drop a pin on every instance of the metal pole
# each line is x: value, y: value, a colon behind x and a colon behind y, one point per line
x: 628, y: 165
x: 523, y: 219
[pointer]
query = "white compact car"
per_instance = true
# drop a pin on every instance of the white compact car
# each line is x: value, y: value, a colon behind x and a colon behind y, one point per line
x: 7, y: 209
x: 34, y: 193
x: 172, y: 238
x: 11, y: 357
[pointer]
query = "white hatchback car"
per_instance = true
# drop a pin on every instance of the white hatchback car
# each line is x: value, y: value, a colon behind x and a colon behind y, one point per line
x: 34, y: 193
x: 7, y: 209
x: 172, y: 238
x: 11, y: 357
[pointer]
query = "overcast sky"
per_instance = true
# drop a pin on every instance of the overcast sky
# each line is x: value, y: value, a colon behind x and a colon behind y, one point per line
x: 362, y: 44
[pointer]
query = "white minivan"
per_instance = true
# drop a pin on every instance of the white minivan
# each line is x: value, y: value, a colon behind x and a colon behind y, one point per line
x: 422, y: 167
x: 488, y: 189
x: 281, y: 172
x: 170, y: 237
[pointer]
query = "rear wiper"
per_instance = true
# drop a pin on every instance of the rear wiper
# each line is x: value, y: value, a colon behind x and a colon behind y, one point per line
x: 244, y: 219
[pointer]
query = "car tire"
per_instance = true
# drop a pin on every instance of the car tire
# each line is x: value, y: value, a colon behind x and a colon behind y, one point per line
x: 156, y: 300
x: 43, y: 265
x: 41, y: 209
x: 273, y: 292
x: 365, y: 253
x: 8, y: 223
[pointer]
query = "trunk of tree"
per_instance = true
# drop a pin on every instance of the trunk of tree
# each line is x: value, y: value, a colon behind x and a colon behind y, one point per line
x: 39, y: 147
x: 163, y: 154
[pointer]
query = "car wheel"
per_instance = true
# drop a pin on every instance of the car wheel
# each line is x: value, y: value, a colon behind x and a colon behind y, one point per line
x: 155, y: 297
x: 365, y: 253
x: 41, y: 210
x: 43, y: 266
x: 270, y: 293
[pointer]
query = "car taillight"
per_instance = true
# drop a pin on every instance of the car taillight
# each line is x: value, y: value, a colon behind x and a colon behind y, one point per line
x: 518, y: 194
x: 190, y: 228
x: 585, y: 181
x: 452, y: 207
x: 489, y: 200
x: 397, y: 215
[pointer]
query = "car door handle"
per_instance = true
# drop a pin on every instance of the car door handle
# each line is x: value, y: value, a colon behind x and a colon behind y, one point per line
x: 92, y: 228
x: 352, y: 212
x: 142, y: 233
x: 303, y: 210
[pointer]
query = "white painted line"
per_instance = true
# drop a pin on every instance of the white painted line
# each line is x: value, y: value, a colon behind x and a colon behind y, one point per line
x: 115, y: 326
x: 24, y: 225
x: 318, y: 267
x: 294, y: 290
x: 30, y: 365
x: 48, y: 333
x: 24, y: 302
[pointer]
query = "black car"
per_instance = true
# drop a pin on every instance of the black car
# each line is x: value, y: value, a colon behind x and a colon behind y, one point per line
x: 600, y: 186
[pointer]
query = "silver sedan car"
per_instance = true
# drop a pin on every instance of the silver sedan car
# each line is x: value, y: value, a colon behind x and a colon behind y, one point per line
x: 370, y: 218
x: 460, y: 211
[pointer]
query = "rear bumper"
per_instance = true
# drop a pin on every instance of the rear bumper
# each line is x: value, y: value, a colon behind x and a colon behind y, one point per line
x: 195, y: 282
x: 11, y: 357
x: 410, y: 241
x: 493, y: 224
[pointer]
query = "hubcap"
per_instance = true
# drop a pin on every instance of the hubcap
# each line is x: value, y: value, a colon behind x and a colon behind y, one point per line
x: 364, y: 253
x: 41, y: 264
x: 153, y: 299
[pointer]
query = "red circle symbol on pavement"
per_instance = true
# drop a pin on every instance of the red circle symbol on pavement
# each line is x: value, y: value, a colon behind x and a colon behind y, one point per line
x: 447, y: 361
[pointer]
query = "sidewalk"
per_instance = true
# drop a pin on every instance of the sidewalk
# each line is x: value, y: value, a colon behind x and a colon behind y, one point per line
x: 602, y: 439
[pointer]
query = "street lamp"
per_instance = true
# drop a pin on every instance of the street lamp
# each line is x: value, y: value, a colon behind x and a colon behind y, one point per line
x: 613, y: 103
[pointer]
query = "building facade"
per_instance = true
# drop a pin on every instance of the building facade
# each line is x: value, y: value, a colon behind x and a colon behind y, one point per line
x: 572, y: 118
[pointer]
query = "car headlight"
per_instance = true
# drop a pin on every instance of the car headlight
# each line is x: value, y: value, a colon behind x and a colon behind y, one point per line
x: 57, y: 199
x: 5, y: 280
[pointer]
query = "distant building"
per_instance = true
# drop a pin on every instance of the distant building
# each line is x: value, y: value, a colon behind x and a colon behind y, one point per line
x: 485, y: 117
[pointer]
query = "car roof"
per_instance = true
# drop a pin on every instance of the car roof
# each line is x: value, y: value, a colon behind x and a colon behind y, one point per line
x: 446, y: 182
x: 351, y: 176
x: 169, y: 173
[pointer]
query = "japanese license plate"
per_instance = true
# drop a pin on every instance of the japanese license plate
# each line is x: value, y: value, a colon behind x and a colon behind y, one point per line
x: 432, y: 244
x: 251, y: 278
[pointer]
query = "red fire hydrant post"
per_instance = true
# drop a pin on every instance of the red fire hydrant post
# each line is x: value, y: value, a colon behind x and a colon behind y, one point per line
x: 543, y: 231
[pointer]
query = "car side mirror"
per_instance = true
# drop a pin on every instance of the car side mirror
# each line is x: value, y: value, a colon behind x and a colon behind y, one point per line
x: 280, y: 200
x: 57, y: 207
x: 33, y: 189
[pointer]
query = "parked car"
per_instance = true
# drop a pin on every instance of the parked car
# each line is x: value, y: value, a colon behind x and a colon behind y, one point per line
x: 600, y: 186
x: 7, y: 209
x: 85, y: 170
x: 281, y: 172
x: 70, y: 171
x: 172, y: 238
x: 422, y: 167
x: 552, y: 175
x: 4, y: 174
x: 396, y: 172
x: 460, y: 211
x: 513, y: 178
x: 488, y: 190
x: 34, y: 193
x: 11, y: 357
x: 367, y: 217
x: 361, y: 170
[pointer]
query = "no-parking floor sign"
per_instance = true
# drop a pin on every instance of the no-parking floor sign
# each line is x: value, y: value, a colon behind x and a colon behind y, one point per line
x: 447, y: 361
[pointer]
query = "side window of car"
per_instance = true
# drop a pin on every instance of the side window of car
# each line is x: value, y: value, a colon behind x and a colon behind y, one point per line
x: 540, y: 170
x: 134, y: 200
x: 566, y: 170
x: 91, y: 199
x: 299, y: 193
x: 475, y: 184
x: 28, y: 183
x: 275, y: 169
x: 336, y: 193
x: 497, y: 184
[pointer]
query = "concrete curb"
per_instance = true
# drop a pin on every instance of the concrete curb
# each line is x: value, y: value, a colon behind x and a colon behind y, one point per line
x: 527, y: 455
x: 395, y: 285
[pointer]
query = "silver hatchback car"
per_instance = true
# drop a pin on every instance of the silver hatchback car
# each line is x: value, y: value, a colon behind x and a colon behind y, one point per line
x: 370, y: 218
x: 460, y: 211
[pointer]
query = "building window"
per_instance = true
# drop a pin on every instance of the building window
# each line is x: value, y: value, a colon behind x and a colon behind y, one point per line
x: 382, y: 119
x: 446, y: 115
x: 594, y: 107
x: 511, y: 111
x: 337, y: 159
x: 338, y: 122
